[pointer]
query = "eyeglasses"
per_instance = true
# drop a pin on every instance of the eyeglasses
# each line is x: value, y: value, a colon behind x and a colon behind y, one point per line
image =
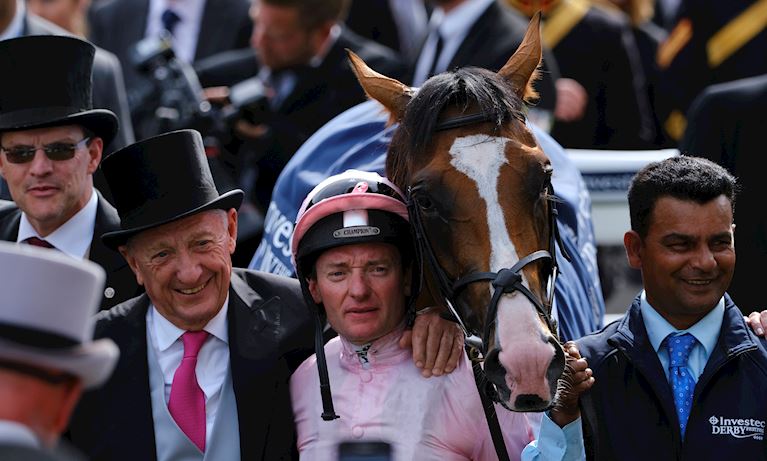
x: 56, y: 151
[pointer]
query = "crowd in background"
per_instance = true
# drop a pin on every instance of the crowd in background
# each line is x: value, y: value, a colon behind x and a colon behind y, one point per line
x: 257, y: 80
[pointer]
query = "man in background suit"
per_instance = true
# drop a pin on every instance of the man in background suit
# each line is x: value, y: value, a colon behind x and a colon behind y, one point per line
x: 595, y: 48
x: 300, y: 56
x: 481, y: 33
x: 46, y: 353
x: 727, y: 126
x: 51, y: 144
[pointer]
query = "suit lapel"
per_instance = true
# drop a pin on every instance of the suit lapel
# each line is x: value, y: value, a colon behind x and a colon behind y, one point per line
x: 107, y: 220
x: 252, y: 349
x: 129, y: 396
x: 9, y: 226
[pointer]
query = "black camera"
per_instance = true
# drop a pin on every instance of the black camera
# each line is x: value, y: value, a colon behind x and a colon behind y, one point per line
x: 173, y: 98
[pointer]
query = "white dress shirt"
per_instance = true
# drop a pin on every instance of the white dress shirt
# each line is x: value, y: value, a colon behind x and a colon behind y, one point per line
x: 453, y: 27
x: 186, y: 32
x: 16, y: 27
x: 13, y: 433
x: 212, y: 360
x: 74, y: 237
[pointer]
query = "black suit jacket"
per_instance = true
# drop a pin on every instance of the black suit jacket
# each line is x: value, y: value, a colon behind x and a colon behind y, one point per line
x: 120, y: 278
x: 117, y: 25
x: 491, y: 41
x: 269, y: 330
x: 600, y: 53
x: 22, y: 453
x: 726, y: 124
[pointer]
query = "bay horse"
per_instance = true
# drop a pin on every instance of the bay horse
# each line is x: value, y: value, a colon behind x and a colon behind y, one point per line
x: 482, y: 207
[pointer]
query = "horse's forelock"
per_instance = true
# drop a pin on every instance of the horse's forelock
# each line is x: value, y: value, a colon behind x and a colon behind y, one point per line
x: 464, y: 88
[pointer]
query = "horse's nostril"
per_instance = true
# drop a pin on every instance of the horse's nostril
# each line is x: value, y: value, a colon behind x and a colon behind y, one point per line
x: 529, y: 402
x: 496, y: 374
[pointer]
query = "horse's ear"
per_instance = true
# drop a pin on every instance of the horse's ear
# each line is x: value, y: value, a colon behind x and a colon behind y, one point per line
x: 521, y: 70
x: 393, y: 94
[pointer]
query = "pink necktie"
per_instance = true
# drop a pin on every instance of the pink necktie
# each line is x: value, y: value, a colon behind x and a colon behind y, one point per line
x: 187, y: 401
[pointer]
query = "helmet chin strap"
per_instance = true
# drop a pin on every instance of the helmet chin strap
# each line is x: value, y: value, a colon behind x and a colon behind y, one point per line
x: 328, y: 412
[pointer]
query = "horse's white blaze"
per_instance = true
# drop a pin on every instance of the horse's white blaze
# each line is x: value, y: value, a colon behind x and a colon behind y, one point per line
x: 480, y: 157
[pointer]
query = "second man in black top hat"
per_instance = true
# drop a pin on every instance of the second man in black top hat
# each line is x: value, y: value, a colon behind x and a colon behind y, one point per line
x: 51, y: 143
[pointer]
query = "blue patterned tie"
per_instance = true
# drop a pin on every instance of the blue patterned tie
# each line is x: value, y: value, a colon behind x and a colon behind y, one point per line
x: 682, y: 382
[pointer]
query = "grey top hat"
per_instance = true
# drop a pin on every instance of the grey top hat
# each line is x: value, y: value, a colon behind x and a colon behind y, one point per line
x: 54, y: 91
x: 47, y: 313
x: 159, y: 180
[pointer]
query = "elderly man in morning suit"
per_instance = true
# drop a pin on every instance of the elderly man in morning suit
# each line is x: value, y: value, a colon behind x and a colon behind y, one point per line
x: 51, y: 143
x: 231, y: 326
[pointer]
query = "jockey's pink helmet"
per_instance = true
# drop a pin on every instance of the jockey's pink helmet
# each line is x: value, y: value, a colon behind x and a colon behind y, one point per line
x: 351, y: 207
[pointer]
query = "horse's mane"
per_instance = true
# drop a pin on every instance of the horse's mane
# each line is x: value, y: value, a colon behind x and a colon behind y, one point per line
x: 465, y: 88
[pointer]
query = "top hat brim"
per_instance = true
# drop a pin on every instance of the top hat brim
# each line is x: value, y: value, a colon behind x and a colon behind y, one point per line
x: 226, y: 201
x: 102, y: 122
x: 92, y: 362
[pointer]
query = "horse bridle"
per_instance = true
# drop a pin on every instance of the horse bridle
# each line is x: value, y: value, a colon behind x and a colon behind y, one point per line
x: 506, y: 280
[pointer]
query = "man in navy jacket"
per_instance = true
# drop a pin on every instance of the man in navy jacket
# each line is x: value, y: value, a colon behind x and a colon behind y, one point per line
x: 703, y: 402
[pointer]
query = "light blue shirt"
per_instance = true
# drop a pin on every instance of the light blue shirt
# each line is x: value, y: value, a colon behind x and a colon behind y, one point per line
x: 556, y: 443
x: 706, y: 331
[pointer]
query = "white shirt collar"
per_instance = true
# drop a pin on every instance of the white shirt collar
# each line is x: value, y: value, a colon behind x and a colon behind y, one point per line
x: 16, y: 27
x: 14, y: 433
x: 706, y: 330
x: 186, y: 32
x: 317, y: 60
x: 458, y: 21
x: 74, y: 237
x: 166, y: 333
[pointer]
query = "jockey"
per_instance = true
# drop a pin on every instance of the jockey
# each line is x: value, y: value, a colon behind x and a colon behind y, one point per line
x: 352, y: 254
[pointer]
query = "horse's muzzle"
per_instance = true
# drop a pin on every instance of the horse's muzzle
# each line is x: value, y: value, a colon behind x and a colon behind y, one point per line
x: 529, y: 389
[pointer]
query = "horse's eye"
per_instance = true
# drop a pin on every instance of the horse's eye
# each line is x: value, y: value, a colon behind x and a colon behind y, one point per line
x: 424, y: 202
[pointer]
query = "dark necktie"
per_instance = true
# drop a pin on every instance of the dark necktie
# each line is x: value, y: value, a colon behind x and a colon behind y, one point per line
x: 680, y: 377
x: 38, y: 242
x: 437, y: 52
x: 169, y: 20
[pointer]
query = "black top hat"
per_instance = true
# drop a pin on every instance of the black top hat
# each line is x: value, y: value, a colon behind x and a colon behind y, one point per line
x: 47, y: 82
x: 159, y: 180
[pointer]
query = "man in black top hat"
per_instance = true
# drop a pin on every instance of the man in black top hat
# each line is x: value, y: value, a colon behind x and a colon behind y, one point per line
x: 178, y: 234
x: 51, y: 142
